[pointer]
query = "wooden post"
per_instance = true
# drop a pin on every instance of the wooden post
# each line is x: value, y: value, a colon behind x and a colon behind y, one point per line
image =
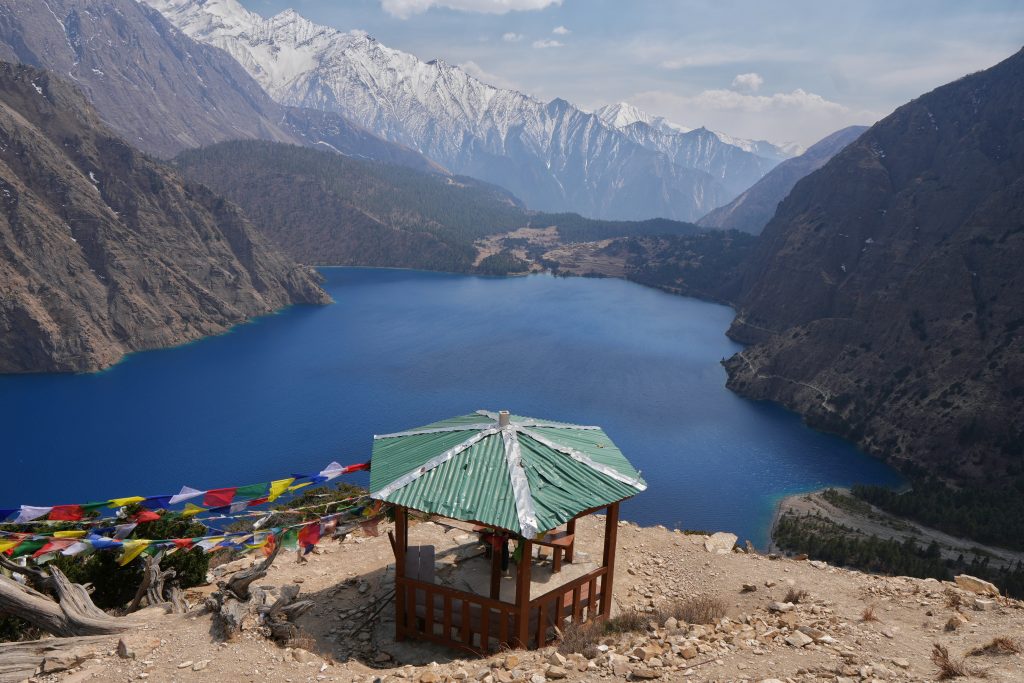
x: 570, y: 528
x: 402, y: 531
x: 611, y: 530
x: 522, y: 620
x: 496, y: 554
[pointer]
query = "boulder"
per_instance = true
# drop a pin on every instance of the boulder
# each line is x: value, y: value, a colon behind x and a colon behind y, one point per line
x: 976, y: 585
x: 721, y: 542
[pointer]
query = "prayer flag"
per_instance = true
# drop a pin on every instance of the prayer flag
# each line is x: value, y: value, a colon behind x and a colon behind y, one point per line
x: 26, y: 548
x: 7, y: 544
x: 76, y: 548
x: 290, y: 539
x: 30, y: 512
x: 145, y: 515
x: 278, y: 487
x: 69, y: 533
x: 251, y: 491
x: 309, y: 536
x: 186, y: 493
x: 121, y: 502
x: 331, y: 471
x: 66, y: 513
x: 121, y: 531
x: 216, y: 497
x: 132, y: 549
x: 191, y: 510
x: 158, y: 502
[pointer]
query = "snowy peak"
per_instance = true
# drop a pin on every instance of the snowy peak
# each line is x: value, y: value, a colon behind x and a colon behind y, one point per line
x: 551, y: 154
x: 622, y: 114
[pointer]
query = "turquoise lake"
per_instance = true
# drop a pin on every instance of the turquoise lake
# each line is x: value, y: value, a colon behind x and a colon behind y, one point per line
x: 293, y: 391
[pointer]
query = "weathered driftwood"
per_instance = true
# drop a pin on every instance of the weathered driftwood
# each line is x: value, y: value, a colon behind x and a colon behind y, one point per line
x: 239, y: 607
x: 24, y: 660
x: 239, y: 583
x: 70, y: 612
x: 155, y: 590
x: 235, y: 606
x: 280, y: 617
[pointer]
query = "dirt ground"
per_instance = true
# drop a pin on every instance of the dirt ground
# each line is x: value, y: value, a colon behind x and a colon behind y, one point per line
x: 822, y: 637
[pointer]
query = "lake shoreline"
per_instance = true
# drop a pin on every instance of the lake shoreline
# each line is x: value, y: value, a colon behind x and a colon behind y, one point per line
x: 869, y: 520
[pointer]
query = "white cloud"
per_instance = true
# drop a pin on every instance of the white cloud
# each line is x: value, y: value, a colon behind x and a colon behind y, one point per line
x: 543, y: 44
x: 511, y: 37
x: 403, y: 9
x: 751, y: 81
x: 561, y: 31
x: 800, y: 116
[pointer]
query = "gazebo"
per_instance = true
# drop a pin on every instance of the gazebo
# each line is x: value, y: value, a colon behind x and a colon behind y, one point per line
x: 517, y: 479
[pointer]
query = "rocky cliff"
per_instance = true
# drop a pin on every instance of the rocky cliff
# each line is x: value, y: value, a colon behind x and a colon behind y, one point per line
x: 104, y: 251
x: 162, y: 91
x: 884, y: 301
x: 752, y: 210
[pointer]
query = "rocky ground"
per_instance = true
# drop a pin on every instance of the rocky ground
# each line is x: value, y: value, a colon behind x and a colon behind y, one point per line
x: 784, y: 619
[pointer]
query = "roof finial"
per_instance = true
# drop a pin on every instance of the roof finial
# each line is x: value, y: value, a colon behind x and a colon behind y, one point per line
x: 503, y: 418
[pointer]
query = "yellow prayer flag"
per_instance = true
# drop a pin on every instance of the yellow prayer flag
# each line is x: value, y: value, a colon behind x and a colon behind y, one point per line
x: 278, y: 487
x: 191, y: 509
x: 121, y: 502
x: 69, y: 534
x: 133, y: 549
x: 7, y: 545
x: 299, y: 486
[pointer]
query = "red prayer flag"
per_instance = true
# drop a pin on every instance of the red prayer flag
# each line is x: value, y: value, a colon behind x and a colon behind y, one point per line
x: 356, y: 468
x: 66, y: 513
x: 268, y: 548
x: 145, y: 515
x: 310, y: 534
x: 182, y: 543
x: 257, y: 501
x: 218, y: 497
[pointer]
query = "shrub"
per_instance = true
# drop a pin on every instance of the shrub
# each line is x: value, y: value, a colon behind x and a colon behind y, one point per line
x: 699, y: 609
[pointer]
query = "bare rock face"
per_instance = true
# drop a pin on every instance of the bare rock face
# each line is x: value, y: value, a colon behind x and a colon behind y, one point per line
x: 104, y: 251
x: 884, y: 300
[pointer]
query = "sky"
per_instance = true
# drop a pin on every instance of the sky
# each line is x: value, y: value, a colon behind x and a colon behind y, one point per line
x: 785, y: 71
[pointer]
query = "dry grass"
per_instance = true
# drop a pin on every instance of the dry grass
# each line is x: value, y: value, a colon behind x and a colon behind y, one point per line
x: 582, y: 638
x: 629, y: 621
x: 796, y: 595
x: 869, y: 614
x: 950, y: 666
x: 699, y: 609
x: 954, y: 599
x: 1003, y: 645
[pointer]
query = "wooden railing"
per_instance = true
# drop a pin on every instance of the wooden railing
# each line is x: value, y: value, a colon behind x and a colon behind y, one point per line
x: 458, y: 619
x: 477, y: 624
x: 574, y: 602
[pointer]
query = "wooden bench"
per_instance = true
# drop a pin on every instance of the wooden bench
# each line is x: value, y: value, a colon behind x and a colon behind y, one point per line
x: 561, y: 544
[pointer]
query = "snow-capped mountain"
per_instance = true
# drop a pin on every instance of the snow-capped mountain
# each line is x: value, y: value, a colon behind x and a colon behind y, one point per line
x: 623, y: 114
x: 552, y: 155
x: 735, y: 162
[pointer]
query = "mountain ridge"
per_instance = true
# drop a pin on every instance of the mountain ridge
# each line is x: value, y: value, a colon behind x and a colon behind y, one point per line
x: 103, y: 251
x: 753, y: 208
x: 552, y: 155
x: 890, y: 312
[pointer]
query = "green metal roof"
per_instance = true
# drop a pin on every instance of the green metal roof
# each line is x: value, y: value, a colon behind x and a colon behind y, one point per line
x: 527, y: 477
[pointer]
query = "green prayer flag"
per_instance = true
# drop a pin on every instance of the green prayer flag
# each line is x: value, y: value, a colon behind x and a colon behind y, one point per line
x: 252, y: 491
